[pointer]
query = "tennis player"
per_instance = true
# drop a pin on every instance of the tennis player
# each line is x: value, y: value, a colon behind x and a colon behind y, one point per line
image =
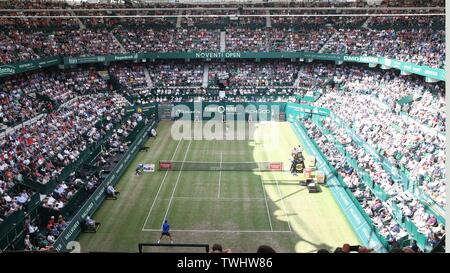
x: 166, y: 231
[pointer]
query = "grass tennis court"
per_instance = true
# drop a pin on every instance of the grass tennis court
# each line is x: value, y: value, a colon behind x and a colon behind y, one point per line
x: 238, y: 209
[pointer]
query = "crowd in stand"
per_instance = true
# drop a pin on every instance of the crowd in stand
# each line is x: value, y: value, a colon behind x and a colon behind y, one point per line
x: 11, y: 51
x: 110, y: 22
x: 40, y: 151
x: 398, y: 23
x: 171, y: 74
x: 88, y: 43
x: 115, y: 145
x: 293, y: 18
x: 404, y: 143
x: 249, y: 74
x: 42, y: 238
x: 416, y: 39
x: 428, y: 105
x: 17, y: 103
x: 35, y: 23
x: 181, y: 82
x: 11, y: 199
x: 375, y: 209
x: 168, y: 40
x: 419, y: 46
x: 129, y: 76
x: 63, y: 86
x: 196, y: 40
x: 364, y: 159
x: 205, y: 18
x: 395, y: 248
x: 411, y: 207
x: 275, y: 39
x: 381, y: 212
x: 19, y: 99
x: 250, y: 17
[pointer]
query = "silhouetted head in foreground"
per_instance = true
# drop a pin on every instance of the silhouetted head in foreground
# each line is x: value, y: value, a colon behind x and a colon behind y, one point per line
x: 265, y: 249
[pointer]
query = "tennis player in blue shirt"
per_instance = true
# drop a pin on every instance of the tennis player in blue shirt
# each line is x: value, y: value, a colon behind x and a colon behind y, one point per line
x: 166, y: 231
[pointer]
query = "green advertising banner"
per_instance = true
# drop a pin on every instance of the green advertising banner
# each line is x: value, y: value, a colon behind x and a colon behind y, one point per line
x: 15, y: 68
x: 295, y: 110
x: 261, y: 111
x: 433, y: 73
x: 426, y: 71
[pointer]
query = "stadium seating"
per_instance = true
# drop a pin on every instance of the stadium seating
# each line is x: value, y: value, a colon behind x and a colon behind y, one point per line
x: 81, y: 112
x: 419, y: 43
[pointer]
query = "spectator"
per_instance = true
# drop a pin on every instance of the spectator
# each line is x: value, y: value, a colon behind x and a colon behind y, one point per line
x: 28, y: 245
x: 265, y: 249
x: 89, y: 223
x: 217, y: 248
x: 111, y: 191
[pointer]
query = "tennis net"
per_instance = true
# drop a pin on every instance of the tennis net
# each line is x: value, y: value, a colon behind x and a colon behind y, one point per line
x: 167, y: 165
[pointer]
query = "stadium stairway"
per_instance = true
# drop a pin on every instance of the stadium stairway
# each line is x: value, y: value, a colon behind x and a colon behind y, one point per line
x: 82, y: 26
x: 366, y: 23
x: 324, y: 45
x: 180, y: 13
x: 148, y: 79
x: 222, y: 41
x: 205, y: 75
x: 268, y: 21
x: 297, y: 80
x: 117, y: 41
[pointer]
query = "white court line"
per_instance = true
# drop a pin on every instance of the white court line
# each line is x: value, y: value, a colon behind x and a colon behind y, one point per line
x: 284, y: 207
x: 238, y: 162
x: 220, y: 173
x: 160, y: 186
x: 222, y: 231
x: 215, y: 198
x: 267, y: 206
x: 176, y: 183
